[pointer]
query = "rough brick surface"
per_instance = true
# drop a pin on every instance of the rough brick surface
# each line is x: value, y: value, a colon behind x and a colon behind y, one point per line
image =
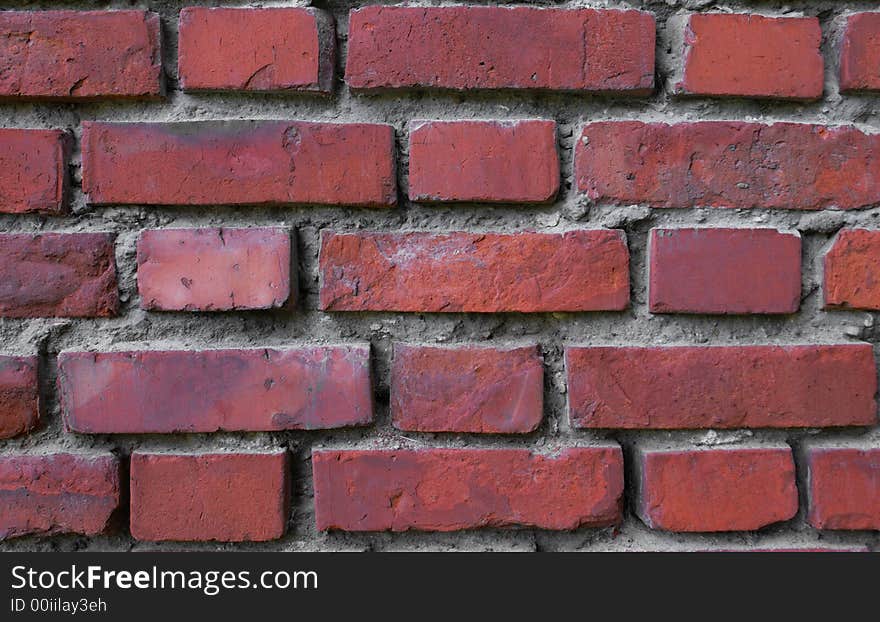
x: 728, y: 164
x: 468, y: 47
x: 19, y: 395
x: 721, y: 386
x: 273, y: 49
x: 724, y: 271
x: 467, y: 389
x: 745, y: 55
x: 238, y: 162
x: 33, y: 170
x: 851, y: 270
x: 79, y: 54
x: 860, y: 53
x: 452, y: 489
x: 479, y: 272
x: 213, y: 269
x: 211, y: 390
x: 731, y: 489
x: 487, y: 161
x: 233, y: 497
x: 57, y: 275
x: 844, y: 487
x: 57, y: 493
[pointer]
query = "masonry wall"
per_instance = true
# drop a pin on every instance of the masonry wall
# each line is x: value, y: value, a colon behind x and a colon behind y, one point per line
x: 541, y: 276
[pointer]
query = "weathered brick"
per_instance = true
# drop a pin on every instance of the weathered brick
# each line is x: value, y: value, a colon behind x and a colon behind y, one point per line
x: 485, y: 161
x: 728, y: 164
x: 860, y: 53
x: 239, y: 162
x: 57, y: 275
x: 743, y: 55
x: 19, y: 395
x: 154, y: 391
x: 472, y: 47
x: 57, y: 493
x: 272, y: 49
x: 213, y: 269
x: 232, y: 497
x: 474, y: 272
x: 843, y: 487
x: 721, y: 386
x: 468, y: 389
x: 724, y: 271
x: 850, y: 270
x: 33, y: 171
x: 453, y: 489
x: 729, y: 489
x: 80, y: 54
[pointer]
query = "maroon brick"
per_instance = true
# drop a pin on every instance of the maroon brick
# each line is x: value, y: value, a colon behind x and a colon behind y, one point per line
x: 498, y: 390
x: 742, y: 55
x: 728, y: 164
x: 730, y: 489
x: 721, y: 386
x: 453, y: 489
x: 471, y: 47
x: 272, y: 49
x: 211, y: 390
x: 486, y: 161
x: 477, y: 272
x: 80, y: 54
x: 851, y: 270
x: 57, y: 275
x: 19, y: 395
x: 213, y: 269
x: 33, y: 170
x: 844, y: 487
x: 238, y: 162
x: 860, y: 53
x: 57, y: 493
x: 724, y: 271
x: 229, y: 497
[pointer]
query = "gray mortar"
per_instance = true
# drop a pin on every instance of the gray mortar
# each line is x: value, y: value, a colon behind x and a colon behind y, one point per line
x: 306, y: 325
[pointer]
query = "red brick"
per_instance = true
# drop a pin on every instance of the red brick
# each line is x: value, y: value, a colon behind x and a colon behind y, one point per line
x: 731, y: 489
x: 724, y: 271
x: 728, y: 164
x: 156, y: 391
x: 844, y: 487
x: 851, y: 270
x: 80, y: 54
x: 238, y: 162
x: 273, y: 49
x: 234, y: 497
x: 742, y: 55
x: 486, y: 161
x: 57, y: 493
x: 476, y: 272
x: 470, y: 47
x: 721, y: 386
x: 213, y: 269
x: 860, y: 53
x: 453, y: 489
x: 57, y: 275
x: 19, y: 395
x: 470, y: 389
x: 33, y: 171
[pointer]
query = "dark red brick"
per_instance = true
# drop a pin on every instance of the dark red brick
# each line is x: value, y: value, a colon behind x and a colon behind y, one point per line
x: 211, y: 390
x: 33, y: 170
x: 453, y: 489
x: 485, y: 161
x: 851, y: 270
x: 19, y: 395
x: 844, y: 487
x: 238, y: 162
x: 469, y: 389
x: 860, y: 53
x: 721, y: 386
x: 477, y: 272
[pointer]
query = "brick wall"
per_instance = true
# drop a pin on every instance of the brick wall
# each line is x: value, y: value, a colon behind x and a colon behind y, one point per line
x: 436, y: 276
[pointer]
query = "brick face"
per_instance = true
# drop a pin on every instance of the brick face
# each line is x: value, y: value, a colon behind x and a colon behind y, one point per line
x: 19, y: 395
x: 844, y: 487
x: 850, y: 267
x: 33, y: 171
x: 860, y: 53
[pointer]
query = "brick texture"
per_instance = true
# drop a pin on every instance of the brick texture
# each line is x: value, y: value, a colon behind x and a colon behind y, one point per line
x: 19, y: 395
x: 860, y: 53
x: 33, y: 171
x: 844, y: 487
x: 850, y: 268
